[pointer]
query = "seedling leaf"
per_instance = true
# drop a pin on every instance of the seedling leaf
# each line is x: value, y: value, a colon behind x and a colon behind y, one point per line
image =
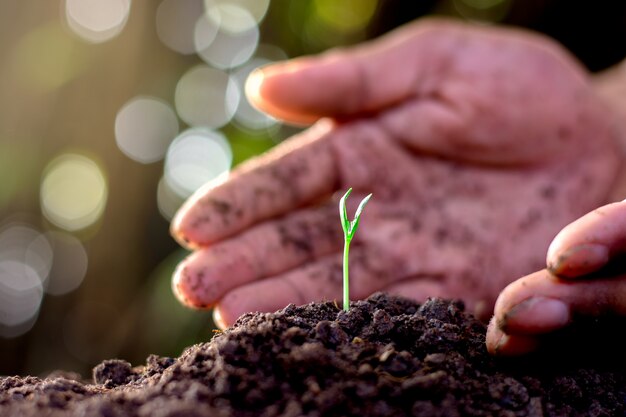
x: 343, y: 213
x: 349, y: 229
x: 357, y: 216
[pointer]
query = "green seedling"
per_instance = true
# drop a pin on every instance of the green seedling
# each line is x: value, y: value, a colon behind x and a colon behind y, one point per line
x: 349, y: 229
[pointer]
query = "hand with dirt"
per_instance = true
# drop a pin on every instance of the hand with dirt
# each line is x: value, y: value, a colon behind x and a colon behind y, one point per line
x: 585, y: 273
x: 585, y: 276
x: 479, y: 144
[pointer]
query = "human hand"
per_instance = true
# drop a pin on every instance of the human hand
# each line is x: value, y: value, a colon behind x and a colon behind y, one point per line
x: 478, y: 144
x: 585, y: 276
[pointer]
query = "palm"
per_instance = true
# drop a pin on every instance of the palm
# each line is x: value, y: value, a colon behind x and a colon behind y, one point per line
x: 459, y: 229
x: 473, y: 169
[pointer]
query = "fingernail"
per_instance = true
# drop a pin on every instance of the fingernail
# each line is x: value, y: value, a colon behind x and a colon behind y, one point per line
x: 536, y: 315
x: 495, y: 338
x: 500, y: 343
x: 191, y: 287
x: 580, y: 260
x: 516, y: 345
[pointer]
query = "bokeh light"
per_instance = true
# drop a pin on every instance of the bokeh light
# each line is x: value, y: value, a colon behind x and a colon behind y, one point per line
x: 25, y: 262
x: 222, y: 47
x: 32, y: 262
x: 21, y: 293
x: 196, y: 157
x: 204, y: 33
x: 73, y: 192
x: 248, y: 116
x: 97, y: 20
x: 22, y: 243
x: 228, y: 13
x: 144, y: 127
x: 15, y: 331
x: 206, y: 97
x: 69, y: 264
x: 175, y: 23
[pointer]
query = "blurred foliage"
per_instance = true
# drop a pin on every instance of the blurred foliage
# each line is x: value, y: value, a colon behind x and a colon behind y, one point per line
x: 60, y: 92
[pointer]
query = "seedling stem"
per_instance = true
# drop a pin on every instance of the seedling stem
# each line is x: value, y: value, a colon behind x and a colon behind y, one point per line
x: 349, y: 229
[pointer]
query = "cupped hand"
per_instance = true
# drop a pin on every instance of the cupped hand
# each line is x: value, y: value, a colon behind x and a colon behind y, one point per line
x: 585, y: 276
x: 479, y: 144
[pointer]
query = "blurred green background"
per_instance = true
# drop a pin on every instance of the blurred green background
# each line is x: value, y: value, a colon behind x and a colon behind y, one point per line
x: 112, y: 112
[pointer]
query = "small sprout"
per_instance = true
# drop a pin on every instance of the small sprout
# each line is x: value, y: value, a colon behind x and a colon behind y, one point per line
x: 349, y: 229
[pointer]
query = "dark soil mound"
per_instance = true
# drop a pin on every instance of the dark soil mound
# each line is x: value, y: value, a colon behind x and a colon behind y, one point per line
x: 386, y: 357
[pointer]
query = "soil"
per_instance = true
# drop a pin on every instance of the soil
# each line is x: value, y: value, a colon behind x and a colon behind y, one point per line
x: 387, y: 356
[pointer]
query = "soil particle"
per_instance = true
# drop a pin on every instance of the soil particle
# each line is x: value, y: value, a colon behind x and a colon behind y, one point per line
x: 387, y: 356
x: 112, y: 373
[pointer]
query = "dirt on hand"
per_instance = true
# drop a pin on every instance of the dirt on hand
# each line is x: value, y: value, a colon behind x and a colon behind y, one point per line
x: 387, y: 356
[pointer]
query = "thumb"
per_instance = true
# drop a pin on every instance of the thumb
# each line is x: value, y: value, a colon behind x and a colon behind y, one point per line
x: 344, y: 83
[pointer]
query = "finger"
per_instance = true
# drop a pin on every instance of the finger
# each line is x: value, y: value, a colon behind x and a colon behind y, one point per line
x: 321, y: 280
x: 500, y: 343
x: 265, y: 250
x: 589, y: 243
x: 262, y: 296
x: 362, y: 79
x: 541, y: 303
x: 291, y: 175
